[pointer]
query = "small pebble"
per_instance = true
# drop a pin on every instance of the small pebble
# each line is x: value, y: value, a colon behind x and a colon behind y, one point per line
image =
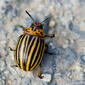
x: 82, y: 59
x: 70, y: 25
x: 46, y: 78
x: 52, y: 23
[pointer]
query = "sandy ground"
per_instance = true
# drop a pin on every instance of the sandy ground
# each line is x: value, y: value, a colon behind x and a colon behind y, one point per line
x: 67, y: 64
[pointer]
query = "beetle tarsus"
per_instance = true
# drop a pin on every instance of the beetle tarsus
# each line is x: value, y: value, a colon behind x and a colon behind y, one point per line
x: 50, y: 36
x: 41, y: 77
x: 11, y: 49
x: 21, y: 26
x: 40, y: 73
x: 14, y: 66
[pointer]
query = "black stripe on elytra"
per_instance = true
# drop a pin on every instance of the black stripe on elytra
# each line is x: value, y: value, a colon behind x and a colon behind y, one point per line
x: 30, y: 37
x: 24, y: 45
x: 19, y: 50
x: 31, y: 45
x: 30, y: 49
x: 37, y: 53
x: 26, y: 57
x: 40, y: 55
x: 35, y: 48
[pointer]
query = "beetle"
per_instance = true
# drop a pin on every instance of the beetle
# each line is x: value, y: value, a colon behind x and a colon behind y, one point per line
x: 31, y: 47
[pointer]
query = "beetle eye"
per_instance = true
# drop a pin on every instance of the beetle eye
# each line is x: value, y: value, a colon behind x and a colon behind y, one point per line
x: 40, y: 26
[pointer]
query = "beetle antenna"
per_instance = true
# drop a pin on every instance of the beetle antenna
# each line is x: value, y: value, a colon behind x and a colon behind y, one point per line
x: 46, y: 19
x: 30, y: 15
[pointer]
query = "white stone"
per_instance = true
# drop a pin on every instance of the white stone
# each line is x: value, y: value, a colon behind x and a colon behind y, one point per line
x: 52, y: 23
x: 47, y: 77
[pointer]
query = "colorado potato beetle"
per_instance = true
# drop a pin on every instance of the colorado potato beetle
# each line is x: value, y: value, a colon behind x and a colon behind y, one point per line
x: 31, y: 47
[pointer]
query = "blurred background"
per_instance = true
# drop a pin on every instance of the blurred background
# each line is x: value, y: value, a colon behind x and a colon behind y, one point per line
x: 67, y: 22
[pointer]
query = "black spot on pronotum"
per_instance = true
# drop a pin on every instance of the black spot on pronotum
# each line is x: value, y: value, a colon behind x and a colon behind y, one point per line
x: 32, y: 28
x: 36, y: 33
x: 40, y: 26
x: 41, y: 33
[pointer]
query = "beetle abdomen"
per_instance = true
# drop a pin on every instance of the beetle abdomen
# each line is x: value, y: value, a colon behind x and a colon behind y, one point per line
x: 29, y: 52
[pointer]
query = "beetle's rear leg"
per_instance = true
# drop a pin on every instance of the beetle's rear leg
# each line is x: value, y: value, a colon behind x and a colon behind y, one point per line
x: 46, y: 50
x: 14, y: 66
x: 39, y: 74
x: 11, y: 49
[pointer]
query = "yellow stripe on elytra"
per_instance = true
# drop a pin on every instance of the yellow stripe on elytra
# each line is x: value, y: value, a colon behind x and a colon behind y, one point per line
x: 27, y: 52
x: 18, y: 49
x: 26, y: 46
x: 36, y: 53
x: 37, y: 59
x: 21, y: 53
x: 30, y: 54
x: 41, y: 57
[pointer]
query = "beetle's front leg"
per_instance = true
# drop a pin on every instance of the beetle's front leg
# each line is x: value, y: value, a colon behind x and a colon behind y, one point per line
x: 50, y: 35
x: 11, y: 49
x: 21, y: 26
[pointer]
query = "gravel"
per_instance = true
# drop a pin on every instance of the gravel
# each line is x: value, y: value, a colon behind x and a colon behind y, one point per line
x: 67, y: 20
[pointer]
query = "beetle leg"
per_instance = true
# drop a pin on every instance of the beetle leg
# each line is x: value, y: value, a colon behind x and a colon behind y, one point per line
x: 21, y: 26
x: 11, y: 49
x: 46, y: 50
x: 50, y: 35
x: 14, y: 66
x: 40, y: 73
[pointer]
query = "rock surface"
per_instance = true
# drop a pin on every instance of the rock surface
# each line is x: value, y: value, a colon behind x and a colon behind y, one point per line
x: 67, y: 21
